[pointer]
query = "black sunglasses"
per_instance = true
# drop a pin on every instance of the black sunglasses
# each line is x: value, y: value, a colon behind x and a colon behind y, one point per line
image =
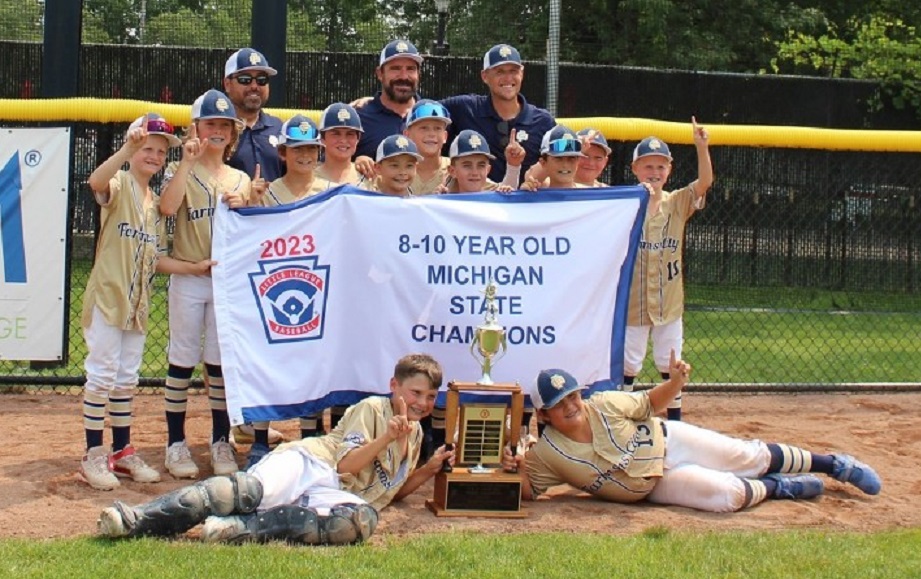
x: 246, y: 79
x: 503, y: 128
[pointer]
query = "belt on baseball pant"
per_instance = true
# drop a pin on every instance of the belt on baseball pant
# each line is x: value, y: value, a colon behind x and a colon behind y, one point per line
x: 664, y: 429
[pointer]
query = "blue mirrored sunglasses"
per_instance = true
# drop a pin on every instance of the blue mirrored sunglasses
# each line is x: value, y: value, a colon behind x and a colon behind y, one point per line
x: 564, y: 146
x: 295, y: 133
x: 428, y: 110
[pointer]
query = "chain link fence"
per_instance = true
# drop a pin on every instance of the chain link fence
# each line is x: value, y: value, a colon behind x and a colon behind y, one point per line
x: 801, y: 271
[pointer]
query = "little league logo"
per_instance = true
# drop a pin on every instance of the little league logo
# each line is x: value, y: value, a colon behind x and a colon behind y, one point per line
x: 291, y: 295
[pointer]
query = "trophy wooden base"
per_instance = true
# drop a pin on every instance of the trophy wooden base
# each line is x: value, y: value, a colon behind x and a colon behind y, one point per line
x: 464, y: 494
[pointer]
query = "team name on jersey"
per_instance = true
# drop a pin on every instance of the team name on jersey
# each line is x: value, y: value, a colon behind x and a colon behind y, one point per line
x: 125, y: 230
x: 196, y: 214
x: 382, y: 475
x: 667, y: 243
x: 642, y: 437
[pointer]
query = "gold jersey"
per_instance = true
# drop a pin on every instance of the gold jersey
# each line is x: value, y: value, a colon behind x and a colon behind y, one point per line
x: 657, y: 291
x: 381, y: 480
x: 278, y: 192
x: 622, y: 463
x: 352, y: 177
x: 132, y: 236
x: 430, y: 185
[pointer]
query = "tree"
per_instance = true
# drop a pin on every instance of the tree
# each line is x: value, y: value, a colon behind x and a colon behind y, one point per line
x: 879, y: 48
x: 22, y: 20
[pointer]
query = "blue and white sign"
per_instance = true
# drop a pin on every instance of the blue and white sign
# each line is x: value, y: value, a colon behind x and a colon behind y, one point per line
x: 34, y: 168
x: 316, y: 301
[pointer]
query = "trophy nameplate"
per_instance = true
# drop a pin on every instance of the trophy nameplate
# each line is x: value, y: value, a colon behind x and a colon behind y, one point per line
x: 476, y: 486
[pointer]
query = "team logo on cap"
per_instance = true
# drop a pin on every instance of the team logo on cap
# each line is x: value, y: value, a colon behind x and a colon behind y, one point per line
x: 475, y: 141
x: 567, y: 137
x: 655, y: 145
x: 304, y: 127
x: 557, y: 381
x: 254, y: 58
x: 402, y: 47
x: 221, y: 105
x: 291, y: 296
x: 401, y: 142
x: 505, y: 51
x: 343, y: 115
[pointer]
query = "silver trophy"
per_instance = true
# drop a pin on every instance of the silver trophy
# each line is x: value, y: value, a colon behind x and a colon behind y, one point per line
x: 489, y: 339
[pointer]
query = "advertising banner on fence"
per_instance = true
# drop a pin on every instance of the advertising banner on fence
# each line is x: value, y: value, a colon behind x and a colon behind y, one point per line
x: 34, y: 169
x: 317, y: 300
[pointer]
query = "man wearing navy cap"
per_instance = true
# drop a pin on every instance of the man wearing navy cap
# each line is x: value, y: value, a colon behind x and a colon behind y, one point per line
x: 502, y: 114
x: 246, y: 83
x: 398, y: 73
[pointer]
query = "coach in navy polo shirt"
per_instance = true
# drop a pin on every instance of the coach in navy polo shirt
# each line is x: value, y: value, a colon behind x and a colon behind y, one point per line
x: 500, y: 112
x: 246, y: 82
x: 383, y: 116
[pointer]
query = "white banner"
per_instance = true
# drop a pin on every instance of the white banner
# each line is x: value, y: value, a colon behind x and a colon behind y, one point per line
x: 316, y: 301
x: 34, y: 169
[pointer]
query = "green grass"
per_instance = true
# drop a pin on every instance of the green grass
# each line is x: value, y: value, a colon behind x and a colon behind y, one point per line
x: 657, y: 552
x: 732, y: 335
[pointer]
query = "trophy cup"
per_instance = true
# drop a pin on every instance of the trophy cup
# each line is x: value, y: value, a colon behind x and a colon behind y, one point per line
x: 477, y: 486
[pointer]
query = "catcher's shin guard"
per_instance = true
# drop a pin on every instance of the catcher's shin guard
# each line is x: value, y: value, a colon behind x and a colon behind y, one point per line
x: 345, y: 524
x: 182, y: 509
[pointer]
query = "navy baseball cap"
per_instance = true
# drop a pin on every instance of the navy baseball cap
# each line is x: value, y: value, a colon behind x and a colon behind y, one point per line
x: 340, y: 116
x: 561, y: 141
x: 215, y: 105
x: 399, y: 49
x: 427, y: 109
x: 501, y: 54
x: 397, y: 145
x: 651, y: 146
x: 156, y: 125
x: 467, y: 143
x: 247, y: 59
x: 299, y: 131
x: 597, y: 139
x: 552, y: 386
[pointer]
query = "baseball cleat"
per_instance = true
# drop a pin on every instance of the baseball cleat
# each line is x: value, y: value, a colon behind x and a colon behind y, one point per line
x: 126, y: 463
x: 244, y: 434
x: 800, y: 486
x: 96, y: 469
x: 223, y: 458
x: 846, y: 468
x: 179, y: 461
x: 256, y: 453
x: 111, y: 524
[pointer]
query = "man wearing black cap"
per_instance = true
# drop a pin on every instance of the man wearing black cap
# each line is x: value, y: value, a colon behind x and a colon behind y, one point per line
x: 246, y: 82
x: 503, y: 114
x: 382, y: 116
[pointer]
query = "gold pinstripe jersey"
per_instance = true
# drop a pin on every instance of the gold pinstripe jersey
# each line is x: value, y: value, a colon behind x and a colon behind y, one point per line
x: 622, y: 463
x: 195, y: 216
x: 352, y: 178
x: 278, y: 192
x: 380, y: 481
x: 132, y: 236
x: 430, y: 185
x: 657, y: 290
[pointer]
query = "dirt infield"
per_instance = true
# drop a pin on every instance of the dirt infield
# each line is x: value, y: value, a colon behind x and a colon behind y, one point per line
x: 41, y: 497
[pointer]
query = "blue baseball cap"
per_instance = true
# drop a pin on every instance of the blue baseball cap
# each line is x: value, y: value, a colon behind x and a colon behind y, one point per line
x: 299, y: 131
x: 651, y: 146
x: 552, y: 386
x: 397, y: 145
x: 399, y: 49
x: 215, y: 105
x: 247, y: 59
x: 561, y: 141
x: 340, y: 116
x: 501, y: 54
x: 467, y: 143
x: 597, y: 139
x: 427, y: 109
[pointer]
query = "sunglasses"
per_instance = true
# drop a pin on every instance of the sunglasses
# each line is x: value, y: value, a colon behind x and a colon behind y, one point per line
x: 564, y: 146
x: 295, y: 133
x: 428, y: 110
x: 503, y: 129
x: 247, y: 79
x: 159, y: 126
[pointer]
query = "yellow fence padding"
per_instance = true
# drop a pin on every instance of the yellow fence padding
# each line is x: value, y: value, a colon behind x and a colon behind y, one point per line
x: 95, y: 110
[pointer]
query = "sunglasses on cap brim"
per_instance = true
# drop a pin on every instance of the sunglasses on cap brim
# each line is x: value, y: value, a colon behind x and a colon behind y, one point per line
x: 159, y: 126
x: 247, y: 79
x: 295, y: 133
x: 564, y: 146
x: 427, y: 111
